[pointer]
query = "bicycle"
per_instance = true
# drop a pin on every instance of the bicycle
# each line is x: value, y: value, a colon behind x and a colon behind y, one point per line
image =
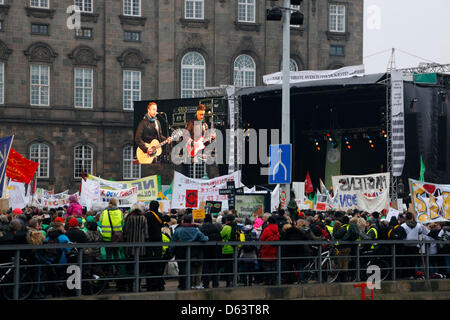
x: 383, y: 264
x: 329, y: 272
x: 7, y: 281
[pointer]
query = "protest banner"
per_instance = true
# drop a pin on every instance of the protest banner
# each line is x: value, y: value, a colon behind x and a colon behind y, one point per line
x: 299, y: 191
x: 5, y: 147
x: 16, y: 191
x: 430, y: 202
x: 198, y: 214
x: 213, y: 207
x: 125, y: 197
x: 249, y: 205
x: 365, y: 192
x: 148, y: 187
x: 58, y: 202
x: 208, y: 190
x: 90, y: 192
x: 314, y: 75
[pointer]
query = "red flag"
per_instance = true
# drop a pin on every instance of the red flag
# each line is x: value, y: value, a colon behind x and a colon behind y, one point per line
x: 308, y: 184
x: 82, y: 177
x: 20, y: 168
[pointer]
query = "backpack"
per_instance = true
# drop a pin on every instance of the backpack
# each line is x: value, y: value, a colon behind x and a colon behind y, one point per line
x: 52, y: 255
x: 397, y: 233
x: 249, y: 236
x: 382, y: 231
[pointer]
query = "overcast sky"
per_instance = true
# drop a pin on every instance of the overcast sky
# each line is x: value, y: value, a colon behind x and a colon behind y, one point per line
x: 420, y: 28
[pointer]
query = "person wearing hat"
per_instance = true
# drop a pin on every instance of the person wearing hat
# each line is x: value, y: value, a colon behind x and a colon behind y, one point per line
x: 74, y: 208
x: 74, y: 233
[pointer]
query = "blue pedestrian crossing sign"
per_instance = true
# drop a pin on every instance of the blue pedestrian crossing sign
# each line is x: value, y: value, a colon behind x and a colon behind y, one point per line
x: 280, y: 163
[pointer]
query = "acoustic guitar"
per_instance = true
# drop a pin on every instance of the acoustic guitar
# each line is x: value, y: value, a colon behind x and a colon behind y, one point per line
x: 156, y: 147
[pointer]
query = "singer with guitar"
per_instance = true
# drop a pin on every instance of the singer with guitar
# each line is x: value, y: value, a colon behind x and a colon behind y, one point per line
x: 197, y: 128
x: 148, y: 130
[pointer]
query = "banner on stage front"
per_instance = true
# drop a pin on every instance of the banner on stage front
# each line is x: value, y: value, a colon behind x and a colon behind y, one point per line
x: 431, y: 202
x: 366, y: 192
x: 312, y: 75
x: 148, y: 187
x: 208, y: 190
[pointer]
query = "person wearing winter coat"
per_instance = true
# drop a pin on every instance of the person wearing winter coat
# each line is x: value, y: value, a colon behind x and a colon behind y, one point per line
x: 211, y: 253
x: 268, y: 253
x: 188, y: 232
x: 248, y: 255
x: 74, y: 208
x: 414, y: 231
x: 228, y: 233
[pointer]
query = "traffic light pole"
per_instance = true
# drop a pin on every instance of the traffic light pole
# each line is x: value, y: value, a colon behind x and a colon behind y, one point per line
x: 285, y: 102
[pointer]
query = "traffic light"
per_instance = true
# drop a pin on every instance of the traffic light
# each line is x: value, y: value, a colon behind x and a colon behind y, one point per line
x: 297, y: 18
x: 274, y: 14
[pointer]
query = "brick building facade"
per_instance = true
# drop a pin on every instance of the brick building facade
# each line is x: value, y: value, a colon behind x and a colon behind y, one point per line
x: 67, y: 95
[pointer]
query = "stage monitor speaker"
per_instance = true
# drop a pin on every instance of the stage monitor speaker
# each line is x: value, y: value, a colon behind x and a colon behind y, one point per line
x: 442, y: 143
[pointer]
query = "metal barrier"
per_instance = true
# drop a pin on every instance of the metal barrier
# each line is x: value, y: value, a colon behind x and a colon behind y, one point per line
x: 19, y: 278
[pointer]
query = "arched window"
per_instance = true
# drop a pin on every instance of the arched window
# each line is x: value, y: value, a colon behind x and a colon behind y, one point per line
x: 193, y: 68
x: 40, y: 153
x: 244, y: 71
x: 83, y: 160
x: 130, y: 170
x: 293, y: 66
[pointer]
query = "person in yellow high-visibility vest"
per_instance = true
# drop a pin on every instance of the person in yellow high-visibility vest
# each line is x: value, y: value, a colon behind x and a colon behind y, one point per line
x: 111, y: 219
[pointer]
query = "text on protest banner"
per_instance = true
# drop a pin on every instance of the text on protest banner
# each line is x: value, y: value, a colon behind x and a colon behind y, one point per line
x: 371, y: 190
x: 208, y: 190
x: 148, y: 187
x: 60, y: 202
x: 312, y: 75
x: 431, y: 202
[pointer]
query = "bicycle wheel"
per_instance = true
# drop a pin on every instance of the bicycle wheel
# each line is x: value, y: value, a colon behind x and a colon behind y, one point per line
x: 385, y: 269
x: 25, y: 290
x: 93, y: 287
x: 329, y: 274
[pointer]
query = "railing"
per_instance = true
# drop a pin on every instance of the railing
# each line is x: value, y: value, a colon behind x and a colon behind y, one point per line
x: 20, y: 278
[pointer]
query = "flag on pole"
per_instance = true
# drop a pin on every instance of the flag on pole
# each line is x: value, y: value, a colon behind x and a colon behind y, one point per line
x: 19, y: 168
x: 308, y: 184
x: 5, y: 146
x: 422, y: 170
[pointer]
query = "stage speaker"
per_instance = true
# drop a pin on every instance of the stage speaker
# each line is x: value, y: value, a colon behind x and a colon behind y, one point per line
x: 442, y: 143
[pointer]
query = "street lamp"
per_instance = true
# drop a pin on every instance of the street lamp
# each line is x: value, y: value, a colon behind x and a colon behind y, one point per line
x: 276, y: 14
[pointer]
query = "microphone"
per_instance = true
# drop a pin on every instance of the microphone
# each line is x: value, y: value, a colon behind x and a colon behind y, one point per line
x: 160, y: 112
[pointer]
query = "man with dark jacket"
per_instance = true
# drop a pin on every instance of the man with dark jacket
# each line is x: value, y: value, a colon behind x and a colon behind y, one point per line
x: 155, y: 221
x: 187, y: 232
x: 211, y: 252
x: 74, y: 233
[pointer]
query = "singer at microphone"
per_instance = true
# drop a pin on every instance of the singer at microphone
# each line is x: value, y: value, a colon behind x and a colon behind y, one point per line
x: 149, y: 129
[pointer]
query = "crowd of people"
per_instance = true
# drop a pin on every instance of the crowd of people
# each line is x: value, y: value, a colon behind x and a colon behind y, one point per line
x: 211, y: 264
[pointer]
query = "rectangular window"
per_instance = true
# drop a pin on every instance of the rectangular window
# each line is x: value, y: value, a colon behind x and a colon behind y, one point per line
x: 40, y: 85
x: 131, y: 88
x: 39, y: 4
x: 85, y: 5
x: 41, y: 29
x: 83, y: 161
x: 337, y: 18
x: 132, y: 36
x: 83, y: 87
x: 2, y: 83
x: 194, y: 9
x: 246, y: 11
x: 337, y: 50
x: 40, y: 153
x: 132, y: 8
x: 130, y: 170
x: 85, y: 33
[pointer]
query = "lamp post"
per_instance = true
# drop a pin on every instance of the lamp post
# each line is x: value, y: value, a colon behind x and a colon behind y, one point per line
x: 275, y: 14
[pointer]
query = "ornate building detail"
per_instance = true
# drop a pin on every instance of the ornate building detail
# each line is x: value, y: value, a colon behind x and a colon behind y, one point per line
x: 40, y: 52
x: 84, y: 55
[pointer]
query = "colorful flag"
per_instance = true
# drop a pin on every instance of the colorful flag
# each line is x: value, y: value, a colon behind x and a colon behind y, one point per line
x: 5, y: 146
x: 308, y: 184
x: 19, y: 168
